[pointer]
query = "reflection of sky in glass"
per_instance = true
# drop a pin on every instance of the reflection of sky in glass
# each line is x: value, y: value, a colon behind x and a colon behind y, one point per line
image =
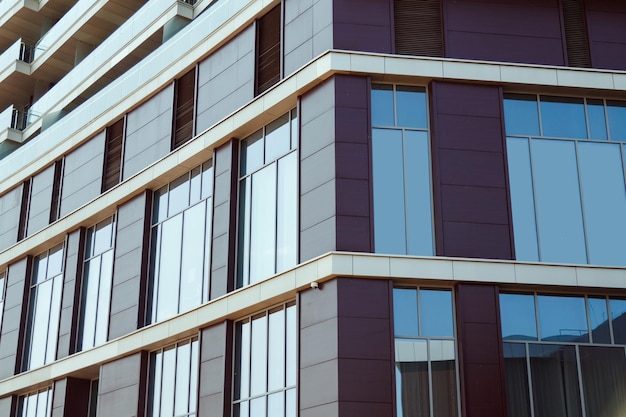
x: 599, y: 320
x: 521, y: 115
x: 562, y: 318
x: 617, y: 119
x: 411, y: 107
x: 618, y: 317
x: 405, y: 311
x: 436, y: 313
x: 382, y: 105
x: 563, y: 117
x: 517, y: 315
x: 597, y: 119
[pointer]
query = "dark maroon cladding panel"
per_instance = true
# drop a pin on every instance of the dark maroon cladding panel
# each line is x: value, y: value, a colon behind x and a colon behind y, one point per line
x: 512, y: 31
x: 480, y: 351
x: 470, y: 187
x: 606, y: 24
x: 362, y: 25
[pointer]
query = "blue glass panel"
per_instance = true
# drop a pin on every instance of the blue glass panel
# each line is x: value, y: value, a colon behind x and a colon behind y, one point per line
x: 559, y: 214
x: 419, y: 221
x: 618, y: 319
x: 411, y: 107
x: 597, y: 119
x: 562, y: 319
x: 521, y: 116
x: 563, y: 117
x: 522, y: 199
x: 405, y: 312
x: 599, y: 320
x: 436, y: 313
x: 388, y: 172
x: 517, y: 314
x: 382, y: 105
x: 617, y: 119
x: 604, y: 200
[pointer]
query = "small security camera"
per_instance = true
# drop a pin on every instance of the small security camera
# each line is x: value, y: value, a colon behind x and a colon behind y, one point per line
x: 315, y: 285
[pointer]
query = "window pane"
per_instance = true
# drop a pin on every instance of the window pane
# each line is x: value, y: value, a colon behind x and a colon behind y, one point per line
x: 179, y: 195
x: 563, y: 117
x: 252, y: 157
x: 263, y: 224
x: 207, y: 179
x: 243, y: 252
x: 516, y: 380
x: 521, y: 116
x: 258, y: 364
x: 195, y: 185
x: 104, y: 297
x: 388, y: 188
x: 192, y: 258
x: 290, y: 406
x: 257, y: 407
x: 382, y: 105
x: 419, y: 221
x: 412, y: 390
x: 411, y: 107
x: 436, y: 313
x: 599, y: 319
x: 287, y: 213
x: 559, y: 214
x: 193, y: 381
x: 242, y: 360
x: 55, y: 312
x: 603, y: 372
x: 555, y: 381
x: 169, y: 269
x: 276, y: 350
x: 618, y: 319
x: 517, y: 314
x: 522, y: 199
x: 604, y: 201
x: 181, y: 393
x: 159, y: 210
x: 55, y: 261
x: 291, y: 343
x: 241, y: 409
x: 40, y: 323
x: 597, y: 119
x: 617, y: 119
x: 562, y: 319
x: 103, y: 232
x: 169, y: 375
x: 405, y: 312
x: 154, y: 393
x: 90, y: 302
x: 443, y: 366
x: 276, y: 404
x: 277, y: 138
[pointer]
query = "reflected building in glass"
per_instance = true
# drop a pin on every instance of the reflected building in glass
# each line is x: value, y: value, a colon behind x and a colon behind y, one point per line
x: 313, y: 208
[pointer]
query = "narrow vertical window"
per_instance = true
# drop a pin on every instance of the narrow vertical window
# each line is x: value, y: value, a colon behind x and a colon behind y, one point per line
x: 425, y: 351
x: 57, y: 183
x: 265, y: 364
x: 418, y: 27
x: 181, y: 243
x: 36, y: 404
x: 44, y: 308
x: 268, y: 201
x: 173, y: 380
x: 113, y: 155
x: 23, y: 224
x: 96, y: 285
x: 401, y: 171
x: 93, y: 397
x: 184, y: 108
x: 3, y: 279
x: 268, y: 50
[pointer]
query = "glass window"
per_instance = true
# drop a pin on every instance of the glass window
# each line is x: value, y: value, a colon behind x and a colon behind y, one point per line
x: 425, y: 352
x: 173, y: 380
x: 265, y: 364
x: 566, y: 370
x: 181, y: 244
x: 268, y: 201
x: 403, y: 222
x: 3, y: 279
x: 44, y: 308
x: 96, y: 286
x: 36, y: 404
x: 568, y: 193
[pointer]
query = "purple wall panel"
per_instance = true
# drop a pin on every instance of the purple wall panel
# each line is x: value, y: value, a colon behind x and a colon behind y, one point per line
x: 480, y: 351
x: 472, y: 209
x: 606, y: 23
x: 515, y: 31
x: 363, y: 25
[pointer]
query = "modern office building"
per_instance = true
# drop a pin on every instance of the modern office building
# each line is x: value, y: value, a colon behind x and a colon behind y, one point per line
x: 313, y: 208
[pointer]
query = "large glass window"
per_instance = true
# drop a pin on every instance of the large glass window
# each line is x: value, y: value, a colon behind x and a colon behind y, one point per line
x: 268, y: 201
x: 563, y: 355
x: 425, y: 349
x: 566, y: 172
x: 403, y: 221
x: 174, y: 380
x: 96, y: 287
x: 265, y: 364
x: 181, y: 244
x: 44, y: 308
x: 36, y: 404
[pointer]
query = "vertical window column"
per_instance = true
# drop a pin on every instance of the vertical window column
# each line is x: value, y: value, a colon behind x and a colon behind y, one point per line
x: 44, y: 308
x: 37, y: 404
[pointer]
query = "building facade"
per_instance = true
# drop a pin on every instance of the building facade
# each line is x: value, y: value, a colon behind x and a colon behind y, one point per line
x: 280, y: 208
